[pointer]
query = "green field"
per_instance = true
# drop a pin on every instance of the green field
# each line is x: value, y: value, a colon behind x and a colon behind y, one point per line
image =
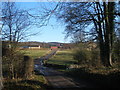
x: 64, y: 57
x: 35, y: 53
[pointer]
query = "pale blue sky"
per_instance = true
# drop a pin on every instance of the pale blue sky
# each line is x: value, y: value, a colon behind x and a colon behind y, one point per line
x: 53, y: 32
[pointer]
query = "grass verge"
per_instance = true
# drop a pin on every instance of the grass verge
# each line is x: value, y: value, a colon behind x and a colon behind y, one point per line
x: 36, y: 83
x: 103, y: 77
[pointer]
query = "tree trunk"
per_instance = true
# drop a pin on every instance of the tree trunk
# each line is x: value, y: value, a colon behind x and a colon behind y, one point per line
x: 109, y: 29
x: 111, y: 9
x: 105, y: 30
x: 106, y: 35
x: 11, y: 62
x: 1, y: 77
x: 12, y: 71
x: 100, y: 35
x: 101, y: 45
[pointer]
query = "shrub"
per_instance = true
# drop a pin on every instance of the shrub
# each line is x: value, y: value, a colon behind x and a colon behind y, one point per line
x: 82, y: 56
x: 116, y: 51
x: 87, y: 56
x: 14, y: 63
x: 95, y: 57
x: 28, y: 67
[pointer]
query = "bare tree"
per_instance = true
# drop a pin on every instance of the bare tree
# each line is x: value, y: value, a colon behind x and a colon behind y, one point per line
x: 15, y: 22
x: 78, y: 37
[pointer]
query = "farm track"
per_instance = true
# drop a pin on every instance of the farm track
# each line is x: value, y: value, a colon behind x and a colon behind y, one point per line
x: 57, y: 80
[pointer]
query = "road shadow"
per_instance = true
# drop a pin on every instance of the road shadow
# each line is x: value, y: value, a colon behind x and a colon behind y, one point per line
x: 110, y: 80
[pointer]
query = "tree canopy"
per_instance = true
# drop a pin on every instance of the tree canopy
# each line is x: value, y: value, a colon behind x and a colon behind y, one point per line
x: 96, y: 19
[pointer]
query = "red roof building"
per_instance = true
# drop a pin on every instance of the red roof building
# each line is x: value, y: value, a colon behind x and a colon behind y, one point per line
x: 54, y: 47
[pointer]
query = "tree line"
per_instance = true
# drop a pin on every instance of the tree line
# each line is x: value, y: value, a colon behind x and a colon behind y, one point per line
x: 96, y: 21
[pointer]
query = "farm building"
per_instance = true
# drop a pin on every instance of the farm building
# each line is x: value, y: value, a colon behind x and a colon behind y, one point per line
x: 54, y: 47
x: 31, y: 46
x: 34, y: 47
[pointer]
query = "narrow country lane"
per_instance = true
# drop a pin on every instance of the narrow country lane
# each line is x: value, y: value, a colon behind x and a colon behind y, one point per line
x: 55, y: 78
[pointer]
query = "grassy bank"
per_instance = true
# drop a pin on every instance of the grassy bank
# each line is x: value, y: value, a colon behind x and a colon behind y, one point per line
x: 102, y: 77
x: 37, y: 82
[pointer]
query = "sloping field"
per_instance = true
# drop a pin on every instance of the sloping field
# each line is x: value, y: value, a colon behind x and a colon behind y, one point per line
x: 63, y: 57
x: 35, y: 53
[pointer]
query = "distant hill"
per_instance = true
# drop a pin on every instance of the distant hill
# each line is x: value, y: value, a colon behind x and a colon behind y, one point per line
x: 46, y: 45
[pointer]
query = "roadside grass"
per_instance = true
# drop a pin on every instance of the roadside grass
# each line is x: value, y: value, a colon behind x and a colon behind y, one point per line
x: 35, y: 53
x: 103, y: 77
x: 37, y: 82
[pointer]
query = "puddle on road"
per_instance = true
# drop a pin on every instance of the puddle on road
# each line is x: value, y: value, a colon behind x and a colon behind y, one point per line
x: 36, y: 66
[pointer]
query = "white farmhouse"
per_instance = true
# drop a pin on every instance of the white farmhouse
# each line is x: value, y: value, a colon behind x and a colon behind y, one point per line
x: 34, y: 47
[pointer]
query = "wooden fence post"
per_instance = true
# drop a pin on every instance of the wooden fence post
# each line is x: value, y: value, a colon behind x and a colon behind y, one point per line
x: 28, y: 67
